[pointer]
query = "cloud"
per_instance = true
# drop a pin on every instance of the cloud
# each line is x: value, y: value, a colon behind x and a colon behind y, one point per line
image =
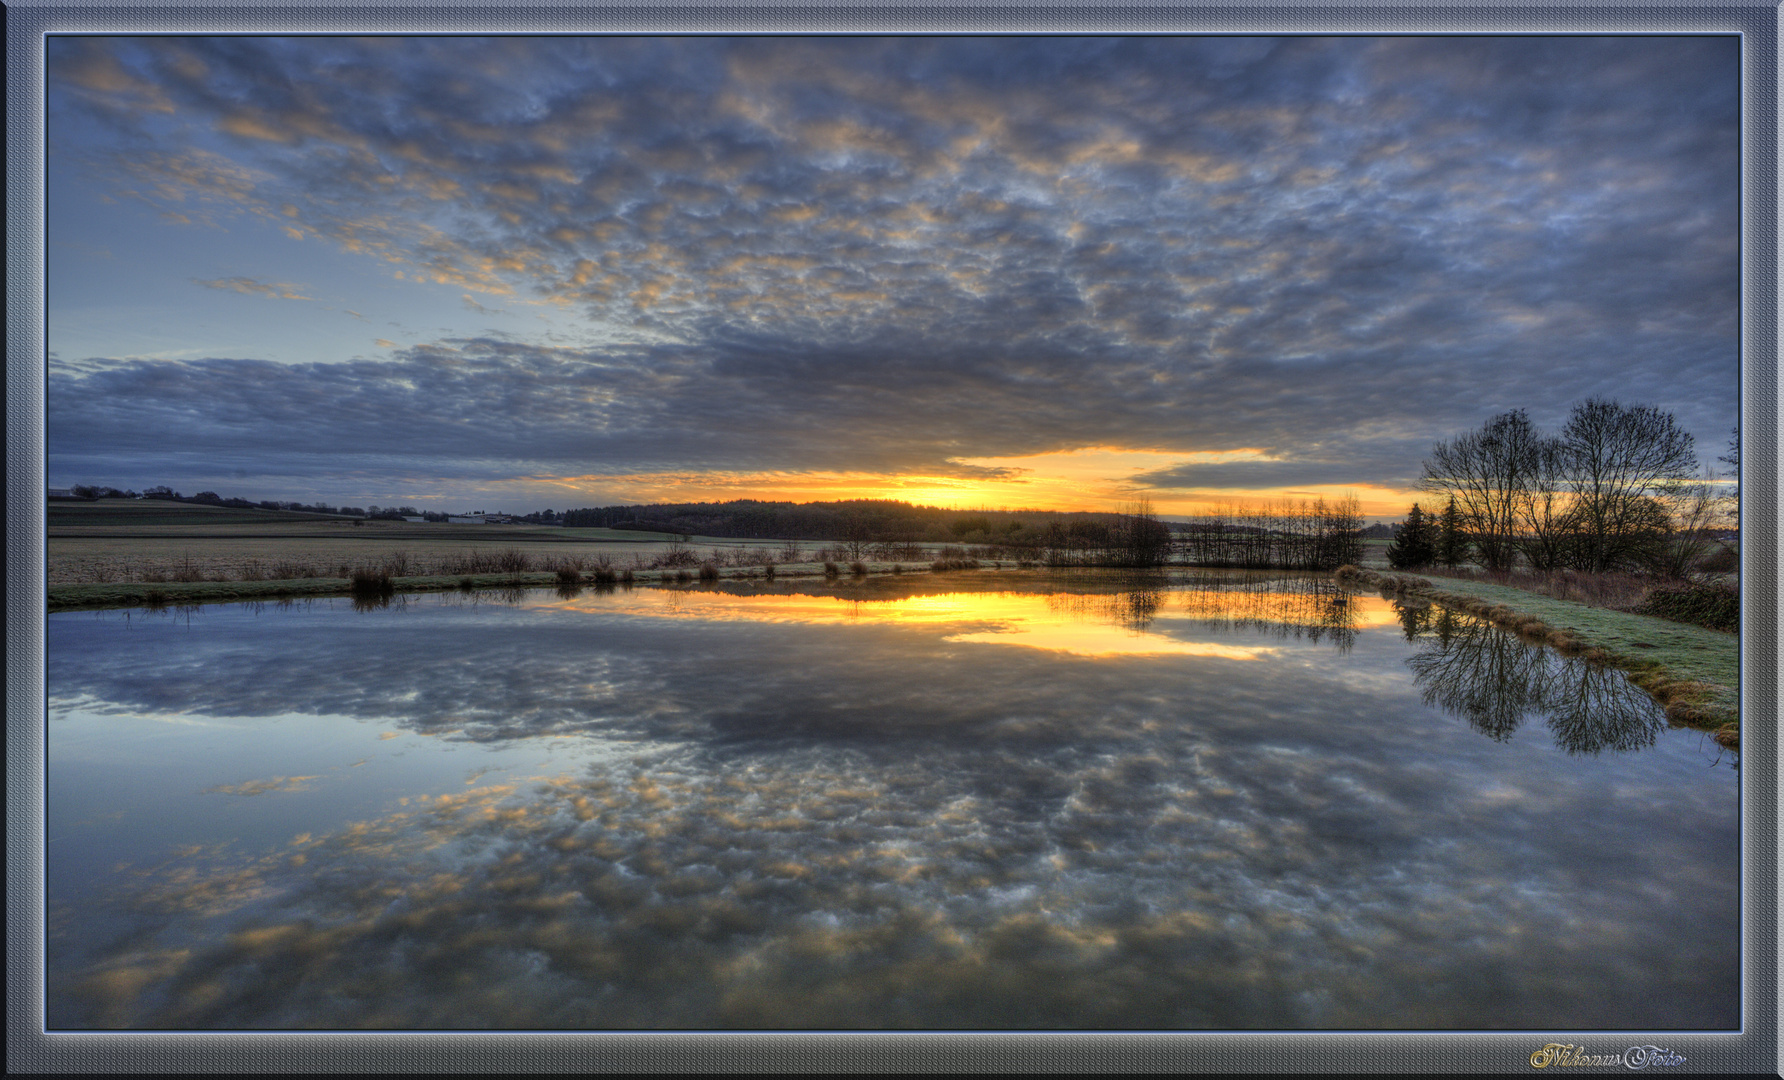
x: 891, y: 253
x: 471, y: 304
x: 262, y: 787
x: 250, y: 287
x: 803, y: 835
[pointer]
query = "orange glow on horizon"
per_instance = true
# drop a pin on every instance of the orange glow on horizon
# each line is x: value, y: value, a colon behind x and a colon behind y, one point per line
x: 1096, y: 479
x: 1030, y: 620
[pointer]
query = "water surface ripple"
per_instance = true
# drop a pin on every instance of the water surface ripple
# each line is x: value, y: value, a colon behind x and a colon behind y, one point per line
x: 1218, y: 801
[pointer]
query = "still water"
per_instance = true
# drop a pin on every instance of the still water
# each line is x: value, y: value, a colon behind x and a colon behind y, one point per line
x: 1210, y: 801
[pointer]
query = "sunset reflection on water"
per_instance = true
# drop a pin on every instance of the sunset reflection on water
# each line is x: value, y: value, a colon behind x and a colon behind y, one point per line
x: 933, y: 803
x: 1134, y: 623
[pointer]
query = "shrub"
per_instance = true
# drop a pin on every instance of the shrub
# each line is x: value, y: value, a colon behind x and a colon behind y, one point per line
x: 1715, y: 605
x: 858, y: 568
x: 683, y: 576
x: 1720, y: 559
x: 831, y: 569
x: 569, y: 575
x: 372, y: 581
x: 604, y: 575
x: 708, y: 572
x: 673, y: 558
x: 625, y: 577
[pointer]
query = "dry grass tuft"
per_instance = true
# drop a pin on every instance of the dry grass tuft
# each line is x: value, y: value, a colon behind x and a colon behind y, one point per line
x: 372, y: 581
x: 1565, y: 643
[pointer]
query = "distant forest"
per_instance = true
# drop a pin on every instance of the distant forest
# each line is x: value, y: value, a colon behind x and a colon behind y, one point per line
x: 876, y: 520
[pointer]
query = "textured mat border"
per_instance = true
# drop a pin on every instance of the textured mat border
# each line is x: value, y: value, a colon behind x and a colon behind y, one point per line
x: 29, y: 1049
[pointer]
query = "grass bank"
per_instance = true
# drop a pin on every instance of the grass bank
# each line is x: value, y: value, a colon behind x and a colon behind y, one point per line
x: 158, y: 594
x: 1692, y: 671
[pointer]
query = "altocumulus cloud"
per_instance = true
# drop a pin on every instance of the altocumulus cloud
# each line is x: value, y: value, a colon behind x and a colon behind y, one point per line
x: 1333, y: 250
x: 250, y: 287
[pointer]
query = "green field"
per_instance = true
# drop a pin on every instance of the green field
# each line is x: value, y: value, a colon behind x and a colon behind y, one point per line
x: 1656, y: 653
x: 118, y: 541
x: 115, y: 513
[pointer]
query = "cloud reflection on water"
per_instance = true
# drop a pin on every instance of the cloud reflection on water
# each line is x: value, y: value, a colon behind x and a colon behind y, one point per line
x: 885, y: 827
x: 1496, y: 682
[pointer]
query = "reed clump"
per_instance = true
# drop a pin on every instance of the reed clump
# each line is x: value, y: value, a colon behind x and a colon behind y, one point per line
x: 708, y: 572
x: 367, y: 581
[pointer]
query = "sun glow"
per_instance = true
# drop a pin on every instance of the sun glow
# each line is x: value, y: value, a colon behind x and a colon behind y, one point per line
x: 1095, y: 625
x: 1096, y: 478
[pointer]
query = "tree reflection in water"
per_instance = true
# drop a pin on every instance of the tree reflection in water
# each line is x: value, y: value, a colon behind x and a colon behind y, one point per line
x: 1132, y: 609
x: 1495, y: 681
x: 1304, y: 608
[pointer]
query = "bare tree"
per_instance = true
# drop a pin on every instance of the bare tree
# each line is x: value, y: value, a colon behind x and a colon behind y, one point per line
x: 1545, y: 515
x: 1142, y: 538
x: 1692, y: 511
x: 1488, y: 474
x: 1731, y: 500
x: 1620, y: 458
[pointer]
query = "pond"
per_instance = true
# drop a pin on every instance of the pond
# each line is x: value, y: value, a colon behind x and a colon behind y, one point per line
x: 1203, y: 801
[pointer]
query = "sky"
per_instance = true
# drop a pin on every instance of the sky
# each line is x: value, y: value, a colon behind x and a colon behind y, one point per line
x: 518, y: 273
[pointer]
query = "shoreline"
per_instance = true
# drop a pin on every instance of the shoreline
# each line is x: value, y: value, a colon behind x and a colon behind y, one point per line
x: 91, y: 597
x: 1692, y: 672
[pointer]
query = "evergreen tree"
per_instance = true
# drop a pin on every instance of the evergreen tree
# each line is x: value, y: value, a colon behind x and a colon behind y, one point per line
x: 1413, y: 545
x: 1452, y: 546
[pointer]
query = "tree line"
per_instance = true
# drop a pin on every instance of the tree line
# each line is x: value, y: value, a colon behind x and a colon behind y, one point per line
x: 211, y: 498
x: 1616, y: 488
x: 1316, y: 535
x: 1131, y: 536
